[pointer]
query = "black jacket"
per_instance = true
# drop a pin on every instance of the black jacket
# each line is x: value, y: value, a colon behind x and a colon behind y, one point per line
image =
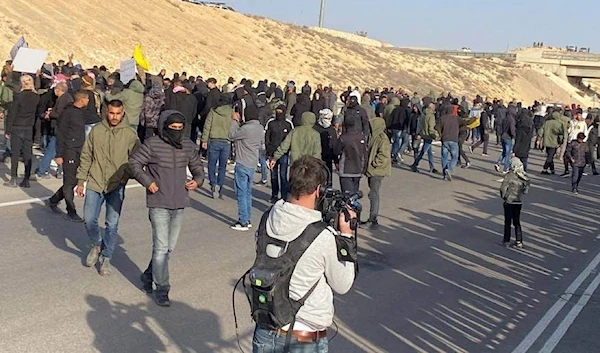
x: 359, y: 117
x: 276, y: 131
x: 413, y: 121
x: 523, y: 135
x: 352, y: 149
x: 158, y: 162
x: 302, y: 106
x: 328, y: 136
x: 211, y: 102
x: 61, y: 104
x: 379, y: 109
x: 184, y: 103
x: 22, y: 111
x: 508, y: 124
x: 484, y: 121
x: 47, y: 101
x: 92, y: 115
x: 318, y: 104
x: 70, y: 131
x: 398, y: 120
x: 500, y: 113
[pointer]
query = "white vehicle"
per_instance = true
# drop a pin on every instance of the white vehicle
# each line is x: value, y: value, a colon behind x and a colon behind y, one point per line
x: 465, y: 49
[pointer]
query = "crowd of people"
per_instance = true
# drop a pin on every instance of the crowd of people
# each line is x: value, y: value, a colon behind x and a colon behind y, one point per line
x: 155, y: 129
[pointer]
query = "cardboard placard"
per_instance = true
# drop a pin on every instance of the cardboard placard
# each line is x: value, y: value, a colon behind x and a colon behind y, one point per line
x: 127, y: 70
x: 29, y: 60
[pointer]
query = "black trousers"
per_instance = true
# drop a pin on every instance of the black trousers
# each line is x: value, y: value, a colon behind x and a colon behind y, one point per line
x: 66, y: 192
x: 485, y: 139
x: 550, y: 153
x: 461, y: 151
x: 512, y: 215
x: 350, y: 185
x: 21, y: 144
x: 374, y: 186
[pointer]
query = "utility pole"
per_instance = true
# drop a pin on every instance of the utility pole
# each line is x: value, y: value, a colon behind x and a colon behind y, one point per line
x: 322, y: 14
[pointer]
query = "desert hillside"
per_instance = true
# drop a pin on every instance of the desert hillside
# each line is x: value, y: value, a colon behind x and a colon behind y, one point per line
x: 179, y: 37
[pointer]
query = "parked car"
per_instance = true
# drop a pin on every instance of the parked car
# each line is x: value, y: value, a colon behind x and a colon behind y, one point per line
x: 571, y: 48
x: 584, y: 50
x: 465, y: 49
x: 218, y: 5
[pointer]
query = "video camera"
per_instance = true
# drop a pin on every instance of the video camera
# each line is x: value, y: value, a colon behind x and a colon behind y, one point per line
x: 335, y: 202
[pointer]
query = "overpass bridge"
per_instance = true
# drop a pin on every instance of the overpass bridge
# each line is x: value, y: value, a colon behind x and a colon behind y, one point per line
x: 564, y: 64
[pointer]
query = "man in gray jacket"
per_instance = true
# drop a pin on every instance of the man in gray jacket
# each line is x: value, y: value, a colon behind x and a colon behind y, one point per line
x: 248, y: 139
x: 160, y: 165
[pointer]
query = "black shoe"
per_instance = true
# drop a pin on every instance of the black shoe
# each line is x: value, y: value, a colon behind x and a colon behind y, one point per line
x: 274, y: 199
x: 146, y: 284
x: 363, y: 223
x: 434, y: 171
x: 12, y: 183
x: 414, y: 168
x: 25, y: 183
x: 53, y: 207
x: 374, y: 225
x: 221, y: 195
x: 596, y: 173
x: 564, y: 175
x: 545, y: 172
x: 73, y: 217
x: 162, y: 298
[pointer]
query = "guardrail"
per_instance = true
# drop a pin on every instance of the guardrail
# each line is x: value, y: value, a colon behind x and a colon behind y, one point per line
x: 570, y: 56
x: 505, y: 56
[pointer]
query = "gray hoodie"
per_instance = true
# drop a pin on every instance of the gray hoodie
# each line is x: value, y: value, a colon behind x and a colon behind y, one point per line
x: 318, y: 264
x: 249, y: 139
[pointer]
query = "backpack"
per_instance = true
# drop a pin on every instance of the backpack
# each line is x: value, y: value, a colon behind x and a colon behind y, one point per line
x: 267, y: 283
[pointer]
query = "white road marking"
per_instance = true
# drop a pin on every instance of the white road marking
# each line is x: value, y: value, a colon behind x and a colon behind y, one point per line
x: 541, y: 326
x: 571, y: 316
x: 42, y: 199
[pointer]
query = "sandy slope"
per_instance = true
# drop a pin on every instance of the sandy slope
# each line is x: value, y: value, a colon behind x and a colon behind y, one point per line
x: 210, y: 42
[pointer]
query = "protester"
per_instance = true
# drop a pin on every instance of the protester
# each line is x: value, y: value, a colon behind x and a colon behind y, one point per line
x: 428, y: 133
x: 578, y: 154
x: 70, y: 137
x: 215, y: 140
x: 351, y: 146
x: 523, y: 137
x: 577, y: 125
x: 160, y: 166
x: 104, y: 171
x: 449, y: 130
x: 514, y: 186
x: 277, y: 129
x: 248, y: 138
x: 304, y: 140
x: 507, y: 132
x: 132, y: 98
x: 152, y: 106
x: 328, y: 135
x: 551, y: 136
x: 290, y: 98
x: 183, y: 101
x: 484, y: 137
x: 379, y: 166
x: 592, y: 141
x: 19, y: 129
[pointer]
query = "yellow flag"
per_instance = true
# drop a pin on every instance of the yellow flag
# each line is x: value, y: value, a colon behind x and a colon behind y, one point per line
x: 140, y: 59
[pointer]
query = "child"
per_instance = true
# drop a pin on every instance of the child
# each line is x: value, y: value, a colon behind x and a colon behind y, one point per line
x: 514, y: 186
x: 578, y: 153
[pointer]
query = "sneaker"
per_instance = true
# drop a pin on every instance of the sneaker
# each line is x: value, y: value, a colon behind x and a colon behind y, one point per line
x: 374, y: 225
x: 273, y: 199
x: 162, y: 298
x: 575, y: 192
x: 104, y: 266
x: 73, y: 217
x: 92, y: 256
x: 497, y: 167
x: 552, y: 172
x: 434, y: 171
x: 36, y: 177
x: 213, y: 190
x: 596, y: 173
x: 249, y: 225
x: 564, y: 175
x: 448, y: 175
x: 414, y: 168
x: 517, y: 244
x: 25, y: 184
x: 52, y: 206
x: 545, y: 172
x: 146, y: 284
x: 262, y: 182
x: 221, y: 196
x: 12, y: 183
x: 471, y: 149
x: 59, y: 175
x: 240, y: 227
x: 585, y: 174
x: 466, y: 166
x: 485, y: 155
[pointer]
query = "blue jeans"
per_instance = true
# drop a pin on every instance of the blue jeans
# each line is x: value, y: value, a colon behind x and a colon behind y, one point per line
x: 426, y: 149
x: 400, y: 143
x: 279, y: 175
x: 244, y: 178
x: 49, y: 154
x: 262, y: 159
x: 91, y: 211
x: 507, y: 146
x: 166, y: 225
x: 218, y: 151
x: 449, y: 147
x: 266, y: 341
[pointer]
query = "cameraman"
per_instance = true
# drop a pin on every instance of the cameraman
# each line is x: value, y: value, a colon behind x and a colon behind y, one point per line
x: 319, y: 264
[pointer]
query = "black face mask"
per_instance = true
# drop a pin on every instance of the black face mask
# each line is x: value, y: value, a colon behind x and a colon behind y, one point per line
x: 173, y: 137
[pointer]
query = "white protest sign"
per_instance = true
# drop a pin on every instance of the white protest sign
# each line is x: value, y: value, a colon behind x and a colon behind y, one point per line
x: 29, y: 60
x: 127, y: 70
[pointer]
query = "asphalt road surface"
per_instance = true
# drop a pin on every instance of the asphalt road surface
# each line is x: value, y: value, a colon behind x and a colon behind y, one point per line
x: 434, y: 277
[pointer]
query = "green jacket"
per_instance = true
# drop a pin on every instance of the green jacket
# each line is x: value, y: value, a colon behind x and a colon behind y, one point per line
x: 104, y: 160
x: 132, y: 98
x: 390, y: 108
x: 303, y: 140
x: 218, y: 123
x: 380, y: 163
x: 366, y: 105
x: 565, y: 120
x: 552, y: 129
x: 6, y: 95
x: 426, y: 125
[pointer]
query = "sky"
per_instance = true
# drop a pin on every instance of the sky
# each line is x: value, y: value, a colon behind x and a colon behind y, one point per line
x: 482, y: 25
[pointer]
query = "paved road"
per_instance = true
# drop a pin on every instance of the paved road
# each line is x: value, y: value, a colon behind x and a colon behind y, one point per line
x: 434, y: 278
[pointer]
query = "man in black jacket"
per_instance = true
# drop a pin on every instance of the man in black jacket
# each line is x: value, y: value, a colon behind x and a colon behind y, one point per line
x: 70, y: 135
x: 63, y: 101
x: 184, y: 102
x: 160, y: 165
x: 354, y: 112
x: 276, y: 131
x: 398, y: 124
x: 351, y: 146
x: 328, y: 135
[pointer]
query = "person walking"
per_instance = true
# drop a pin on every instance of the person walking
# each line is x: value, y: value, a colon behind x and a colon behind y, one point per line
x: 484, y: 136
x: 379, y: 166
x: 302, y: 141
x: 248, y: 138
x: 428, y: 133
x: 551, y: 135
x: 19, y: 129
x: 592, y: 141
x: 70, y: 136
x: 578, y: 154
x: 351, y: 146
x: 507, y: 133
x: 514, y: 186
x: 524, y: 135
x: 103, y: 169
x: 328, y: 135
x: 152, y: 106
x: 215, y: 140
x: 160, y: 166
x: 449, y: 130
x: 277, y: 129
